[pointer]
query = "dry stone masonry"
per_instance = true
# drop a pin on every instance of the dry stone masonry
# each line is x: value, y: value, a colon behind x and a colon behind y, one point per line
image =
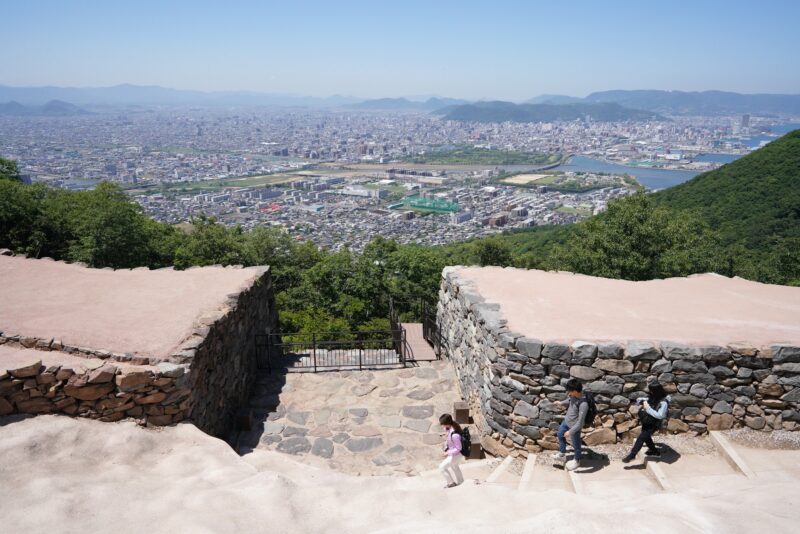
x: 169, y: 363
x: 512, y: 380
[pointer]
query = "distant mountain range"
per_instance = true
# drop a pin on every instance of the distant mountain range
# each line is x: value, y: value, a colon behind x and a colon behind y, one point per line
x: 399, y: 104
x: 688, y: 103
x: 53, y: 108
x: 126, y: 94
x: 499, y: 111
x: 661, y: 102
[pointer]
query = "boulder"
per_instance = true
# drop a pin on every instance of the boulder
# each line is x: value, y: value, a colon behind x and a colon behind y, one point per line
x: 785, y: 354
x: 132, y: 380
x: 530, y: 347
x: 556, y: 351
x: 103, y: 374
x: 621, y: 367
x: 585, y: 373
x: 610, y: 351
x: 583, y: 350
x: 720, y: 421
x: 26, y: 370
x: 493, y: 447
x: 600, y: 437
x: 676, y: 425
x: 642, y: 351
x: 756, y: 423
x: 525, y: 409
x: 89, y: 392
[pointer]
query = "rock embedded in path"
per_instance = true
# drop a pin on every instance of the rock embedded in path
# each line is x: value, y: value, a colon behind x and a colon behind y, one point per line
x: 294, y: 445
x: 341, y: 437
x: 294, y: 431
x: 323, y: 448
x: 426, y: 373
x: 417, y: 425
x: 300, y: 418
x: 366, y: 431
x: 418, y: 412
x: 358, y: 412
x: 363, y: 389
x: 362, y: 444
x: 390, y: 421
x: 420, y: 394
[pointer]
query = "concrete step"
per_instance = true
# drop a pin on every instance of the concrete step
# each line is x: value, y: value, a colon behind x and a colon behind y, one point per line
x: 505, y: 473
x: 471, y: 469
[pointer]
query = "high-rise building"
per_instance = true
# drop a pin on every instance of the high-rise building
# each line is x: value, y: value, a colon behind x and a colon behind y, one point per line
x: 745, y: 121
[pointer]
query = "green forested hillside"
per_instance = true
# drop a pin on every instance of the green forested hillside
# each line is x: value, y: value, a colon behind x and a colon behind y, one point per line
x: 754, y: 200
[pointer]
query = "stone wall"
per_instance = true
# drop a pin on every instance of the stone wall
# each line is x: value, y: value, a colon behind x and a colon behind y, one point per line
x: 95, y: 389
x: 207, y: 377
x: 512, y: 381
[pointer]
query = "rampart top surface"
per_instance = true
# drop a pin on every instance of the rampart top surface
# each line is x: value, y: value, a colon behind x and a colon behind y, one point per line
x: 135, y: 311
x: 703, y: 309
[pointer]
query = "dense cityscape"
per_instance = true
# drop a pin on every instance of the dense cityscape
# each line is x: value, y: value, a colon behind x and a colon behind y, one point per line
x: 341, y: 177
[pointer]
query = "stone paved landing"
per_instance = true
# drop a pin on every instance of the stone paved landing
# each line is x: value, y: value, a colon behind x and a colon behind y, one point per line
x: 361, y: 422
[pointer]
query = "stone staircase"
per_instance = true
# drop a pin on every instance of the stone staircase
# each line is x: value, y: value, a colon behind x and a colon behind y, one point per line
x: 598, y: 476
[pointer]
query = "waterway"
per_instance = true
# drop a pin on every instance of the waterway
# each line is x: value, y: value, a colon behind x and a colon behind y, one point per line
x: 650, y: 178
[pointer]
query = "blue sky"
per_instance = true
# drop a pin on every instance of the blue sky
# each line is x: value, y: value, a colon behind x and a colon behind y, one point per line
x: 494, y: 49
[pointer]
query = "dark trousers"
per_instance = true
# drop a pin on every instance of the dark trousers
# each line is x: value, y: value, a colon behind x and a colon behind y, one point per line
x: 646, y: 436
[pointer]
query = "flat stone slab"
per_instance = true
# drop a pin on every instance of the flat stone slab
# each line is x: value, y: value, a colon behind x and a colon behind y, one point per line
x: 358, y: 412
x: 294, y: 431
x: 417, y: 425
x: 323, y: 448
x: 363, y: 444
x: 366, y: 431
x: 363, y: 389
x: 417, y: 412
x: 294, y: 445
x: 420, y: 394
x: 301, y: 418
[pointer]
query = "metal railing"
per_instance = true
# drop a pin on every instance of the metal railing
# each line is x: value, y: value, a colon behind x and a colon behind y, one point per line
x: 328, y: 351
x: 430, y: 330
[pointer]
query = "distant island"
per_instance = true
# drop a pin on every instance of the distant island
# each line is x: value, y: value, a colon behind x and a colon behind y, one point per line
x: 499, y: 111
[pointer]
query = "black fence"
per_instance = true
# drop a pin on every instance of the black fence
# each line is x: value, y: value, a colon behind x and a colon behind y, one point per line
x: 328, y: 351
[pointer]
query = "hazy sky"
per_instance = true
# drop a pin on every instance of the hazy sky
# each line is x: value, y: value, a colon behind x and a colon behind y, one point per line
x: 491, y: 49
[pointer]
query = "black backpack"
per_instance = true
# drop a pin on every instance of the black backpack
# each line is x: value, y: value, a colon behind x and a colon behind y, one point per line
x: 591, y: 413
x: 466, y: 442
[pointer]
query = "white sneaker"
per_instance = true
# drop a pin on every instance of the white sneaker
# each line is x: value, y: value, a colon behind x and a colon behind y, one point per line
x: 572, y: 465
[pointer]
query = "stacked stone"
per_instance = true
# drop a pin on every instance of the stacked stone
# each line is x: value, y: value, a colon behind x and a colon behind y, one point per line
x: 97, y: 390
x: 217, y: 365
x: 222, y: 355
x: 513, y: 382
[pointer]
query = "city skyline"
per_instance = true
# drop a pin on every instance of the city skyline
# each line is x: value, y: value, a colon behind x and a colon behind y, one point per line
x: 511, y: 51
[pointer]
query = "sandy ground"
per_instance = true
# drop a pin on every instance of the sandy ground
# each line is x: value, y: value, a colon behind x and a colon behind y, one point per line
x: 701, y: 309
x: 137, y: 311
x: 69, y: 475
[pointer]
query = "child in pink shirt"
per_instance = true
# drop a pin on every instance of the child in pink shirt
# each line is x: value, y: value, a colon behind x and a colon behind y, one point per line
x: 452, y: 452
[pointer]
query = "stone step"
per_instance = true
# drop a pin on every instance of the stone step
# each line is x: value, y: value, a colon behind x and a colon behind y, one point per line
x: 501, y: 473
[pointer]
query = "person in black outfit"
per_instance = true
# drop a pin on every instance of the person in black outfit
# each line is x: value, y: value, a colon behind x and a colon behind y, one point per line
x: 652, y: 414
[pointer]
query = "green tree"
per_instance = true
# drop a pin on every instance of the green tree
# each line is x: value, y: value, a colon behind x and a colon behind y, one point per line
x: 211, y: 243
x: 636, y: 241
x: 9, y: 170
x: 493, y: 251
